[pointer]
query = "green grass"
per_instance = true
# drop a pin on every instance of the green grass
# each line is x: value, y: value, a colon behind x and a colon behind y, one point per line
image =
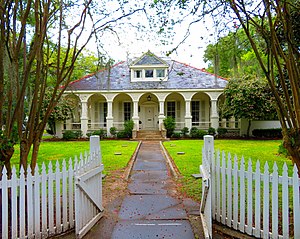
x: 188, y: 163
x: 52, y: 151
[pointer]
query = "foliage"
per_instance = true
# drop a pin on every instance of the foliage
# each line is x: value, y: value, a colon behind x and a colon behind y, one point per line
x: 196, y: 133
x: 176, y: 135
x: 113, y: 131
x: 122, y: 135
x: 169, y: 123
x: 128, y: 127
x: 267, y: 133
x: 222, y: 131
x: 72, y: 134
x: 248, y: 98
x: 211, y: 131
x: 184, y: 131
x: 100, y: 132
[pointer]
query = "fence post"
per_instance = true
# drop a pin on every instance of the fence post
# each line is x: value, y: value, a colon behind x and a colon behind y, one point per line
x: 209, y: 147
x: 95, y: 146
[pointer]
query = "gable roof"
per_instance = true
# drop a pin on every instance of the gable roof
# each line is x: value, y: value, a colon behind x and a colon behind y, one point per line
x: 181, y: 76
x: 148, y: 58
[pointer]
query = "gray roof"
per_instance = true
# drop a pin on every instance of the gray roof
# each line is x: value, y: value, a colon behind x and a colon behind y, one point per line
x: 181, y: 76
x: 149, y: 59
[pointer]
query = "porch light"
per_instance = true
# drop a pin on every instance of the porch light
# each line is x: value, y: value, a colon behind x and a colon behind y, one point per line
x: 149, y: 98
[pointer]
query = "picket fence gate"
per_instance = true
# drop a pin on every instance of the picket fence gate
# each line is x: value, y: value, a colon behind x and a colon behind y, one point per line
x: 42, y: 204
x: 261, y: 204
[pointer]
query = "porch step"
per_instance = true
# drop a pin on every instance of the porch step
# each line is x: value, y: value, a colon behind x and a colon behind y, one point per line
x: 149, y: 135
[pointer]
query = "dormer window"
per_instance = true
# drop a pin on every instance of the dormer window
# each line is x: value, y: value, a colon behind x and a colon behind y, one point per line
x: 149, y: 68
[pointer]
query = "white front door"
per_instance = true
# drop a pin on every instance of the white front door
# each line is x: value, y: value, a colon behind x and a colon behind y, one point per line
x: 149, y: 117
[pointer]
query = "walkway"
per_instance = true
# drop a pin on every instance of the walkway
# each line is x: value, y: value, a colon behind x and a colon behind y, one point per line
x: 150, y: 210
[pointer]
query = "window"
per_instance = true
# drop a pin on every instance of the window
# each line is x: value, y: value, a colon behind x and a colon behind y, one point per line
x: 149, y: 73
x: 195, y: 112
x: 160, y: 72
x: 138, y: 74
x: 127, y: 111
x: 171, y: 109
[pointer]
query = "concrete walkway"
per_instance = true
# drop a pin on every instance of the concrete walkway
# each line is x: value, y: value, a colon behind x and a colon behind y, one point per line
x: 152, y: 210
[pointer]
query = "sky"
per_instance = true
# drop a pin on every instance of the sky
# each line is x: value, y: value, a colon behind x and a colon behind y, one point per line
x: 133, y: 42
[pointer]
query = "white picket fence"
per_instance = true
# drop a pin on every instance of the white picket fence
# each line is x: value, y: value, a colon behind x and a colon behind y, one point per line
x: 41, y: 205
x: 262, y: 204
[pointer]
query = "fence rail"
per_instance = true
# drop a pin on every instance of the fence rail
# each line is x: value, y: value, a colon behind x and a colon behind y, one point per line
x: 263, y: 204
x: 40, y: 204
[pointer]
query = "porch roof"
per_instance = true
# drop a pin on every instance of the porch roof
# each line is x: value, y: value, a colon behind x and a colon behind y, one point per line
x: 181, y: 76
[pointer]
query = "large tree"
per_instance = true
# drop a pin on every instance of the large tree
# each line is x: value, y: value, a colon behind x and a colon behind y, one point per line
x: 29, y: 33
x: 277, y: 23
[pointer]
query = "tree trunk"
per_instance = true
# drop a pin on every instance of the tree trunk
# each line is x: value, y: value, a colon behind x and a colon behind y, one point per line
x: 5, y: 156
x: 291, y: 141
x: 35, y: 150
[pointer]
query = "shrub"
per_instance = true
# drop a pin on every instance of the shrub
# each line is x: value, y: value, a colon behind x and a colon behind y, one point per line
x: 72, y: 134
x: 185, y: 131
x: 176, y: 135
x: 100, y: 132
x: 113, y: 131
x: 221, y: 131
x: 282, y: 150
x: 169, y: 123
x: 267, y: 133
x: 122, y: 134
x: 201, y: 134
x: 211, y: 131
x: 128, y: 127
x: 194, y: 132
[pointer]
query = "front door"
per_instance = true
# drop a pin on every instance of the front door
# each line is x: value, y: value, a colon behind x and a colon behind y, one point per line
x: 149, y: 117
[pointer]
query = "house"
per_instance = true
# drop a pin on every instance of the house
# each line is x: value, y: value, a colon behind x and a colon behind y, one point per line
x: 146, y: 90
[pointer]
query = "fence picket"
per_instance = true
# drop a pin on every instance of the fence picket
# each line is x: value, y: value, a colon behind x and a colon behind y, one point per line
x: 266, y: 201
x: 249, y: 227
x: 275, y: 201
x: 51, y: 200
x: 218, y: 217
x: 71, y: 192
x: 235, y: 193
x: 14, y: 197
x: 257, y: 201
x: 242, y: 196
x: 229, y: 191
x: 22, y: 200
x: 4, y: 205
x: 285, y: 202
x: 37, y: 212
x: 30, y: 202
x: 57, y: 198
x: 64, y: 196
x: 296, y: 202
x: 223, y: 176
x: 44, y: 201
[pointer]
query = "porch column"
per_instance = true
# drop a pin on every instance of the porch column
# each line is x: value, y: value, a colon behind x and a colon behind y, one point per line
x: 59, y: 125
x: 135, y: 115
x: 84, y: 117
x: 188, y: 116
x: 161, y: 116
x: 109, y: 117
x: 214, y: 117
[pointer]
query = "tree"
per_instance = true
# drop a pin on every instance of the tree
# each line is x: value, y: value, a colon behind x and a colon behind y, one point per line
x: 248, y: 98
x: 277, y: 23
x: 39, y: 47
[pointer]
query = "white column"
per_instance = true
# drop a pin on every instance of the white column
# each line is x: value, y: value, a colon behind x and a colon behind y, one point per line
x: 84, y: 117
x: 58, y: 129
x: 109, y: 117
x: 188, y: 116
x: 161, y: 116
x: 135, y: 115
x: 214, y: 116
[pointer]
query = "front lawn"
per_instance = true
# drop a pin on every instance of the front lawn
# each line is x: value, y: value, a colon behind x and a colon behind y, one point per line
x: 52, y: 151
x: 188, y: 163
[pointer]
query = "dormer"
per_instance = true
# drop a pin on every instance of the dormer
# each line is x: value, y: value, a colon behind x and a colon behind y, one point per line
x: 149, y: 67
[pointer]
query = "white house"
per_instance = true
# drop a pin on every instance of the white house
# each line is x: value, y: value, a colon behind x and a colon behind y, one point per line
x: 146, y: 90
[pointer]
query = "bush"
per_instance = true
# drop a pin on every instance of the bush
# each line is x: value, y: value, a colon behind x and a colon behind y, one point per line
x: 176, y: 135
x: 122, y: 135
x: 267, y: 133
x: 72, y: 134
x: 194, y: 132
x: 113, y: 131
x: 169, y: 123
x: 282, y: 150
x: 185, y: 131
x: 201, y: 134
x: 100, y: 132
x: 211, y: 131
x: 222, y: 131
x: 128, y: 127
